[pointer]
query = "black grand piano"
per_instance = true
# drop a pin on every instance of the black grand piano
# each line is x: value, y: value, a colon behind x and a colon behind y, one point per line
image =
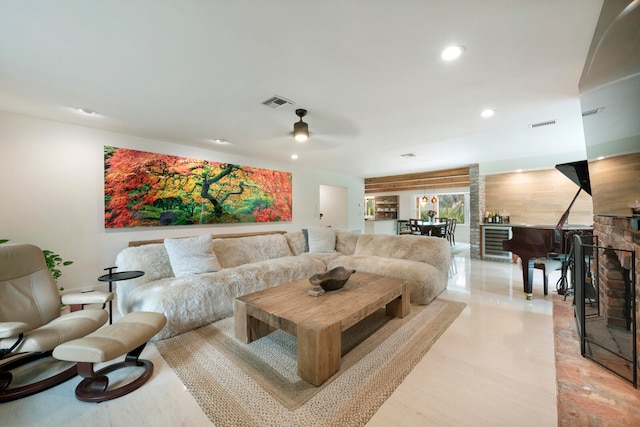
x: 539, y: 241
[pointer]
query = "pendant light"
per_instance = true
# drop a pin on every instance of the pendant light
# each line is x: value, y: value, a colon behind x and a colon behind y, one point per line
x: 301, y: 129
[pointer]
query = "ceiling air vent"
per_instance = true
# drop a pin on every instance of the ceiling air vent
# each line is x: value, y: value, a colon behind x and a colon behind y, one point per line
x: 407, y: 155
x: 592, y: 112
x: 547, y: 123
x: 276, y: 102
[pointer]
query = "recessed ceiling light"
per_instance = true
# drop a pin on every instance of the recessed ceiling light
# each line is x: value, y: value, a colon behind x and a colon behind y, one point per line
x: 220, y: 141
x: 294, y: 157
x: 86, y: 111
x: 487, y: 113
x: 452, y: 52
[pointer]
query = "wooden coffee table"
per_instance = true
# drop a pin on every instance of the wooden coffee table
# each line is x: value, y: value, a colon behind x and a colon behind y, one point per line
x: 318, y: 322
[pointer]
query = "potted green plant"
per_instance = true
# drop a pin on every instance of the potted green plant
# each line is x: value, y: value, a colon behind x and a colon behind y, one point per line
x: 54, y: 261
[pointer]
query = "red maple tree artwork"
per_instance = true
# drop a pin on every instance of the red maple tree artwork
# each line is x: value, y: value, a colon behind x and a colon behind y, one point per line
x: 149, y: 189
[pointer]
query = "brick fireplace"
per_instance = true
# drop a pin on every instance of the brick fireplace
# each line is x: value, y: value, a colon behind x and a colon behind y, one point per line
x: 619, y: 241
x: 614, y: 288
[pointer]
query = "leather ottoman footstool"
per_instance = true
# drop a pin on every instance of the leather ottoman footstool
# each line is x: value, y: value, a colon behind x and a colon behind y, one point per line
x: 129, y: 335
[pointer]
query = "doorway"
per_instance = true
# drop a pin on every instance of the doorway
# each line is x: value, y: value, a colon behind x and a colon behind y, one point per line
x: 334, y: 211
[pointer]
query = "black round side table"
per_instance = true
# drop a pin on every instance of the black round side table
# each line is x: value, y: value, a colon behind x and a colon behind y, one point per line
x: 116, y: 277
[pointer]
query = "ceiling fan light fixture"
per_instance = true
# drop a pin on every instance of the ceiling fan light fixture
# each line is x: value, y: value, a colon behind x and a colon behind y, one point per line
x: 301, y: 129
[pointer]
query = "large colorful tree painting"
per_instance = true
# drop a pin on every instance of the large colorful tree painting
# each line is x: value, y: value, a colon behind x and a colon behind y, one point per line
x: 144, y: 189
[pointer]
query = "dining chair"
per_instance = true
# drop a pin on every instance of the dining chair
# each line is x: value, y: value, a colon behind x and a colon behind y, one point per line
x: 414, y: 226
x: 441, y: 229
x: 451, y: 231
x: 404, y: 227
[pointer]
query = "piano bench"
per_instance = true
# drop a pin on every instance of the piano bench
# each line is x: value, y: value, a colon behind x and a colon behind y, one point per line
x: 547, y: 265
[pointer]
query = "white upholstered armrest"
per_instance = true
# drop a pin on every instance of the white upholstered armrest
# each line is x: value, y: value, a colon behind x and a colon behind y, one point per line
x: 93, y: 297
x: 12, y: 329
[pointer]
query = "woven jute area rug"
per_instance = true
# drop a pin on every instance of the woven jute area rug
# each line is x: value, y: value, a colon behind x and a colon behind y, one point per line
x: 256, y: 384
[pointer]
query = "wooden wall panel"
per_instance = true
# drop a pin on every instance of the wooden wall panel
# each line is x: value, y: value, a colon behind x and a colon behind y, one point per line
x: 615, y: 182
x: 538, y: 197
x: 457, y: 177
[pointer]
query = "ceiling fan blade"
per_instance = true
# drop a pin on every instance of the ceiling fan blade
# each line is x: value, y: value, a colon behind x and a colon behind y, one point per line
x: 331, y: 124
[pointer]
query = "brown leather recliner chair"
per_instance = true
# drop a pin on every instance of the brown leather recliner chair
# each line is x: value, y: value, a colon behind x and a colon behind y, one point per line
x: 31, y: 324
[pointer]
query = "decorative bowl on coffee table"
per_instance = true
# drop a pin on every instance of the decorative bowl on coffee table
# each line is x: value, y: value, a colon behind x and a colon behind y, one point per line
x: 331, y: 280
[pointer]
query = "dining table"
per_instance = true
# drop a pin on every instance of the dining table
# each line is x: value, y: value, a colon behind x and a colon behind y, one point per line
x: 433, y: 228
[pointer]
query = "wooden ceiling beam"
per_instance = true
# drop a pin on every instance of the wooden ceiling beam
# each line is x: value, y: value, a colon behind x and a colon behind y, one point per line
x: 419, y: 188
x: 419, y: 175
x: 423, y: 181
x: 425, y: 185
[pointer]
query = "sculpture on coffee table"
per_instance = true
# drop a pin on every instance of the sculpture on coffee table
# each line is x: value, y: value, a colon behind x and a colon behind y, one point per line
x: 330, y: 281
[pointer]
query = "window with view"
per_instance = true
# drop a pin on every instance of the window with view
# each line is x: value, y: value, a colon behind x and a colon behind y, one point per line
x: 441, y: 206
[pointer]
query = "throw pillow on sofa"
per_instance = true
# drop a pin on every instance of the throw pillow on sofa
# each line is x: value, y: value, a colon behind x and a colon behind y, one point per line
x: 321, y: 239
x: 193, y: 255
x: 245, y: 250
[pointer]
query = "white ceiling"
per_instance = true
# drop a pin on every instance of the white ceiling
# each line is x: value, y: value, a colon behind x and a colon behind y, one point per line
x: 368, y: 72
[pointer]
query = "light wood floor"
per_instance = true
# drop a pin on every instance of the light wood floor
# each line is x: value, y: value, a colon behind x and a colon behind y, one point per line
x: 494, y: 366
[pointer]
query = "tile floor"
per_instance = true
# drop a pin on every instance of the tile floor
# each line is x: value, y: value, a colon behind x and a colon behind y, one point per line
x: 494, y: 366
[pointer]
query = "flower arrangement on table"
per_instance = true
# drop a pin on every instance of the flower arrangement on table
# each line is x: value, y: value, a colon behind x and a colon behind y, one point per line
x: 431, y: 214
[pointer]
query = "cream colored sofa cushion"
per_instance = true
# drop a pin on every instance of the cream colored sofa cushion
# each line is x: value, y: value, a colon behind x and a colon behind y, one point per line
x: 414, y: 248
x: 153, y: 259
x: 321, y: 239
x: 297, y: 242
x: 246, y: 250
x: 346, y: 242
x: 424, y: 280
x: 420, y: 260
x: 192, y: 255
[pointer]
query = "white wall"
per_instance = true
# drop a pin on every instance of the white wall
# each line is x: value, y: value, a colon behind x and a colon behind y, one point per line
x: 52, y: 193
x: 531, y: 163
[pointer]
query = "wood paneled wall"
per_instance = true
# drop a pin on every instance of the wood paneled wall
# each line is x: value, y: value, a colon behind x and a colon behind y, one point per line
x: 458, y: 177
x: 615, y: 184
x: 538, y: 197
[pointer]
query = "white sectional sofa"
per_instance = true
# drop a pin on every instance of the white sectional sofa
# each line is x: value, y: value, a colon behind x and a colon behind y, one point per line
x: 194, y: 281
